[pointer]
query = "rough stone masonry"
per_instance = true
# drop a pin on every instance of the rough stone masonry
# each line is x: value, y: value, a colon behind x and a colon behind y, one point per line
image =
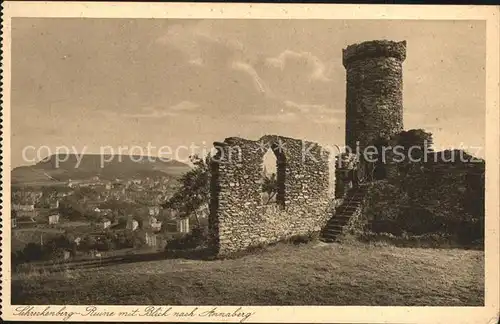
x: 239, y: 220
x: 374, y: 100
x: 374, y: 108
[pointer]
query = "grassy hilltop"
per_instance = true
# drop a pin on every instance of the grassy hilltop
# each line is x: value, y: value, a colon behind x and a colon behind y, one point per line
x: 312, y: 274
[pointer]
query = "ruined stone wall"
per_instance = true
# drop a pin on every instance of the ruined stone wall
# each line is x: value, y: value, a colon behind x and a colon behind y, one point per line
x: 430, y: 197
x: 448, y: 190
x: 238, y: 219
x: 374, y: 100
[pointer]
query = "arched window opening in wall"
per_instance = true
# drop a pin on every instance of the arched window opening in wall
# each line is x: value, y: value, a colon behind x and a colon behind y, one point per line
x: 269, y: 178
x: 273, y: 175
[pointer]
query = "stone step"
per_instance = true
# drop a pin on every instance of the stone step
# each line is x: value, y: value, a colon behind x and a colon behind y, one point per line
x: 350, y: 207
x: 337, y: 227
x: 342, y: 216
x: 352, y: 203
x: 335, y: 224
x: 337, y: 221
x: 344, y: 213
x: 337, y: 218
x: 334, y: 227
x: 332, y: 233
x: 348, y: 210
x: 333, y: 230
x: 331, y: 236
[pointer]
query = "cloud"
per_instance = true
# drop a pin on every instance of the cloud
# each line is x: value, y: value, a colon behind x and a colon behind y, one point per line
x: 197, y: 42
x: 158, y: 112
x: 286, y: 117
x: 305, y: 108
x: 198, y: 61
x: 188, y: 39
x: 184, y: 106
x: 318, y: 68
x: 311, y: 108
x: 327, y: 120
x: 316, y: 113
x: 151, y: 113
x: 260, y: 85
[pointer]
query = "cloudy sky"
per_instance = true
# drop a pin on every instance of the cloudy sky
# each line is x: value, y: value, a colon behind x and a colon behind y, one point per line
x: 92, y: 83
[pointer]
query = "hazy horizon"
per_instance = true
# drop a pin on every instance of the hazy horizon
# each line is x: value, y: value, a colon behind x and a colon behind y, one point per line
x: 89, y: 83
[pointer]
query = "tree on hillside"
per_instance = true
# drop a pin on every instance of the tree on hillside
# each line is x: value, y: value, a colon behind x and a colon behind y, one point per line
x: 49, y: 192
x: 195, y: 188
x: 57, y: 245
x: 71, y: 208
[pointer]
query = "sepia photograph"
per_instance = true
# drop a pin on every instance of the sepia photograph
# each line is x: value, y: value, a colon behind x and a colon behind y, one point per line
x: 230, y: 164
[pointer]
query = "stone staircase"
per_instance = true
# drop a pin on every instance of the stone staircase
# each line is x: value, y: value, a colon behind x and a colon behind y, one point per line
x: 352, y: 204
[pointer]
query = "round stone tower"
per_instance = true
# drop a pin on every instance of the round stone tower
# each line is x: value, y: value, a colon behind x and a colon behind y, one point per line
x: 374, y: 100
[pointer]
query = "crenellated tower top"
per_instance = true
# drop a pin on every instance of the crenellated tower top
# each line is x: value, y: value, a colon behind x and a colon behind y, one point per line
x: 372, y: 49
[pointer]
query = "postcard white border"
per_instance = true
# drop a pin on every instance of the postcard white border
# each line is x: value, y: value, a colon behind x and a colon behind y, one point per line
x: 294, y: 314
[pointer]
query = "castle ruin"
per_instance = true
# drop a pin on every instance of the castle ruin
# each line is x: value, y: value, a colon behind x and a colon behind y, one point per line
x: 374, y: 109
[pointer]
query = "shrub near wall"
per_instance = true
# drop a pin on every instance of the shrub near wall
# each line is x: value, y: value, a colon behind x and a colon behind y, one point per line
x: 427, y: 206
x: 429, y: 240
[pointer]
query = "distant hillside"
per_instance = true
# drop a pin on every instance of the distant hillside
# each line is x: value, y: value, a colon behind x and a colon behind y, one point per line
x: 121, y: 166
